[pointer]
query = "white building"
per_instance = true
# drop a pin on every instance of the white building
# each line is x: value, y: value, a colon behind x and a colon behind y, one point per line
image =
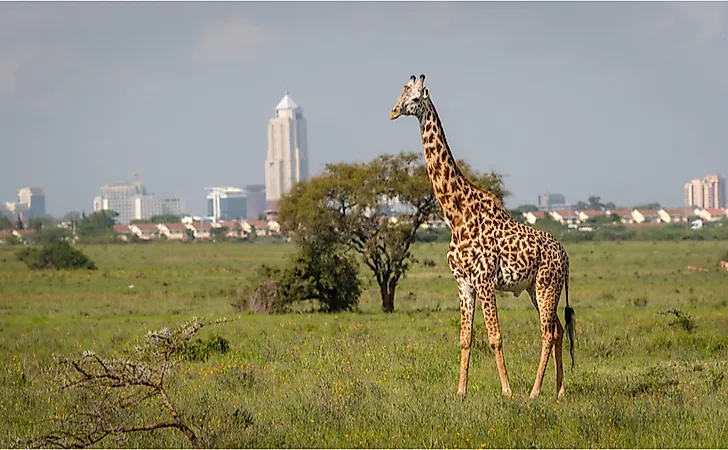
x: 227, y: 203
x: 132, y: 202
x: 287, y: 161
x: 146, y: 206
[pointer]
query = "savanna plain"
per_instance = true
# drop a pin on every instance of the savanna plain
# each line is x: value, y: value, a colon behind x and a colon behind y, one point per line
x: 643, y: 377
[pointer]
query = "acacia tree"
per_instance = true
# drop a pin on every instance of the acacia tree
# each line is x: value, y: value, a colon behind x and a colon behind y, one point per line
x: 346, y: 205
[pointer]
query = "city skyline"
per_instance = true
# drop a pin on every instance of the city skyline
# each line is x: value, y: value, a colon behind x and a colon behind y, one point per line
x: 621, y: 100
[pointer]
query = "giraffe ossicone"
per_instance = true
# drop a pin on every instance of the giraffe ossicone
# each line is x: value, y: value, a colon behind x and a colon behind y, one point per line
x: 491, y: 251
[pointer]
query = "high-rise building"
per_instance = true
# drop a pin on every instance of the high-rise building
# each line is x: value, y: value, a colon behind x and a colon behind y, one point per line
x: 708, y: 192
x: 132, y: 202
x: 694, y: 193
x: 287, y: 160
x: 256, y: 201
x: 34, y: 200
x: 227, y: 203
x: 548, y: 201
x: 714, y: 191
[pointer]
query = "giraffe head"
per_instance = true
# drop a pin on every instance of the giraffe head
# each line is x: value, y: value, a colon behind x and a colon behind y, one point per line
x: 413, y: 101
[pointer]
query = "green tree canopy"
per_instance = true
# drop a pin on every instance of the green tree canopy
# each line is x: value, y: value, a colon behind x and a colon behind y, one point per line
x: 343, y: 206
x: 160, y: 218
x: 98, y: 224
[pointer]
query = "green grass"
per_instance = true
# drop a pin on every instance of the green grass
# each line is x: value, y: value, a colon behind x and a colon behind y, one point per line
x: 367, y: 379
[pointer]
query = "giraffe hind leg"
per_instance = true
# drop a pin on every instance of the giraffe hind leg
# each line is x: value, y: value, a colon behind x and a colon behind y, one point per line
x: 558, y: 358
x: 547, y: 300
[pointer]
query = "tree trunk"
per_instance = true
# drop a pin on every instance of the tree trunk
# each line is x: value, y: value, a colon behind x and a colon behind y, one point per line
x: 387, y: 291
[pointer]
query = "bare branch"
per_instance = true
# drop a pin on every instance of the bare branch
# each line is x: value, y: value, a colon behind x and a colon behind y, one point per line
x: 104, y: 409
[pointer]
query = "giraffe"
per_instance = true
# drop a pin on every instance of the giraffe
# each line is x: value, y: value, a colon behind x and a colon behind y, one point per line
x: 490, y: 251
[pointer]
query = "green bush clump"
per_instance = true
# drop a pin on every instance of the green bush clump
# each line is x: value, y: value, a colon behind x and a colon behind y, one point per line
x: 317, y: 272
x: 199, y: 350
x: 56, y: 255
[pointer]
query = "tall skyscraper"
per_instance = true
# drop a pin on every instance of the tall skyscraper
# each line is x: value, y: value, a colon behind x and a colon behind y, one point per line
x: 714, y: 191
x: 706, y: 193
x: 694, y: 193
x: 287, y: 161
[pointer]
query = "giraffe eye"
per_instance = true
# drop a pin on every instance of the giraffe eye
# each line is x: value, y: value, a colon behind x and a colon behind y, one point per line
x: 416, y: 99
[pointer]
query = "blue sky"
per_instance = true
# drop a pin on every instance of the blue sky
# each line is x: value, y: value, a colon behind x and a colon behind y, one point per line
x: 625, y: 100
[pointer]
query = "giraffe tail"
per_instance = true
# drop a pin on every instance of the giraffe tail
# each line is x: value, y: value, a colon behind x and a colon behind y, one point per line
x: 569, y: 318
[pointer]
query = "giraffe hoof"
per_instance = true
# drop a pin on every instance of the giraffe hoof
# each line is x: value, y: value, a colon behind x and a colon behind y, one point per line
x: 534, y: 395
x: 461, y: 395
x: 507, y: 393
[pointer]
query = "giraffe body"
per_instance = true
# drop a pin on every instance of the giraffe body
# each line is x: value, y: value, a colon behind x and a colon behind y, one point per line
x: 490, y: 251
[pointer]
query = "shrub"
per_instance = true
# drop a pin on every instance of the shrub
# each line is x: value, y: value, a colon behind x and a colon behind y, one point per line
x: 322, y: 272
x: 317, y: 271
x: 268, y: 298
x: 56, y: 255
x: 682, y: 319
x: 429, y: 263
x: 199, y: 350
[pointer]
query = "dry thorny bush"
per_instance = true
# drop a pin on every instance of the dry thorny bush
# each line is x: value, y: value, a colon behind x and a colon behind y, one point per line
x: 109, y: 393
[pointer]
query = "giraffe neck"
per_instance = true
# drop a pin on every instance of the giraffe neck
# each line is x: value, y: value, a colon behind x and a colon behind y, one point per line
x: 446, y: 177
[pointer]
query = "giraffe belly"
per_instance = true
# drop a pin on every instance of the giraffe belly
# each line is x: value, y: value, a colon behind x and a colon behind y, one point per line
x: 510, y: 280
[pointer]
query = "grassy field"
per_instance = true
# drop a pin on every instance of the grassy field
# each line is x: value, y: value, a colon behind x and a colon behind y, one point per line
x: 367, y: 379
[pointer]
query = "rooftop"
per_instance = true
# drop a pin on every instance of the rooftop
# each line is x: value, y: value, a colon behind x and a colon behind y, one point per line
x: 286, y: 103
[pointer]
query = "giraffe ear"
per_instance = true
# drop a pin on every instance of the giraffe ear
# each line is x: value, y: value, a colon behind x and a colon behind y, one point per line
x: 426, y: 93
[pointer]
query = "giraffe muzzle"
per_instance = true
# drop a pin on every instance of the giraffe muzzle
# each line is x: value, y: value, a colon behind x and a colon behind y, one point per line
x: 393, y: 115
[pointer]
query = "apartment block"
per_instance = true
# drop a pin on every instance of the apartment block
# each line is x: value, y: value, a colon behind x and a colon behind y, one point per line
x: 708, y: 192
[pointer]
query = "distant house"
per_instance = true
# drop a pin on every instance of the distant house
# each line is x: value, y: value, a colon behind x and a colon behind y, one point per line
x: 711, y: 214
x: 234, y: 228
x: 200, y: 230
x: 645, y: 216
x: 590, y: 214
x: 676, y: 215
x: 565, y: 217
x: 122, y: 231
x: 261, y: 227
x: 625, y: 215
x: 145, y: 231
x: 173, y: 231
x: 274, y: 226
x: 532, y: 216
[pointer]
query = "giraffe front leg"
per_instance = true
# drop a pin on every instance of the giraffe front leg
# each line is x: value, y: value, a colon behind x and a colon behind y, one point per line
x: 467, y: 308
x: 486, y: 293
x: 549, y: 320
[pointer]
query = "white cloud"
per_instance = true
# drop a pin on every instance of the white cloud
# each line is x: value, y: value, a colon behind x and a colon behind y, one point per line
x: 230, y: 39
